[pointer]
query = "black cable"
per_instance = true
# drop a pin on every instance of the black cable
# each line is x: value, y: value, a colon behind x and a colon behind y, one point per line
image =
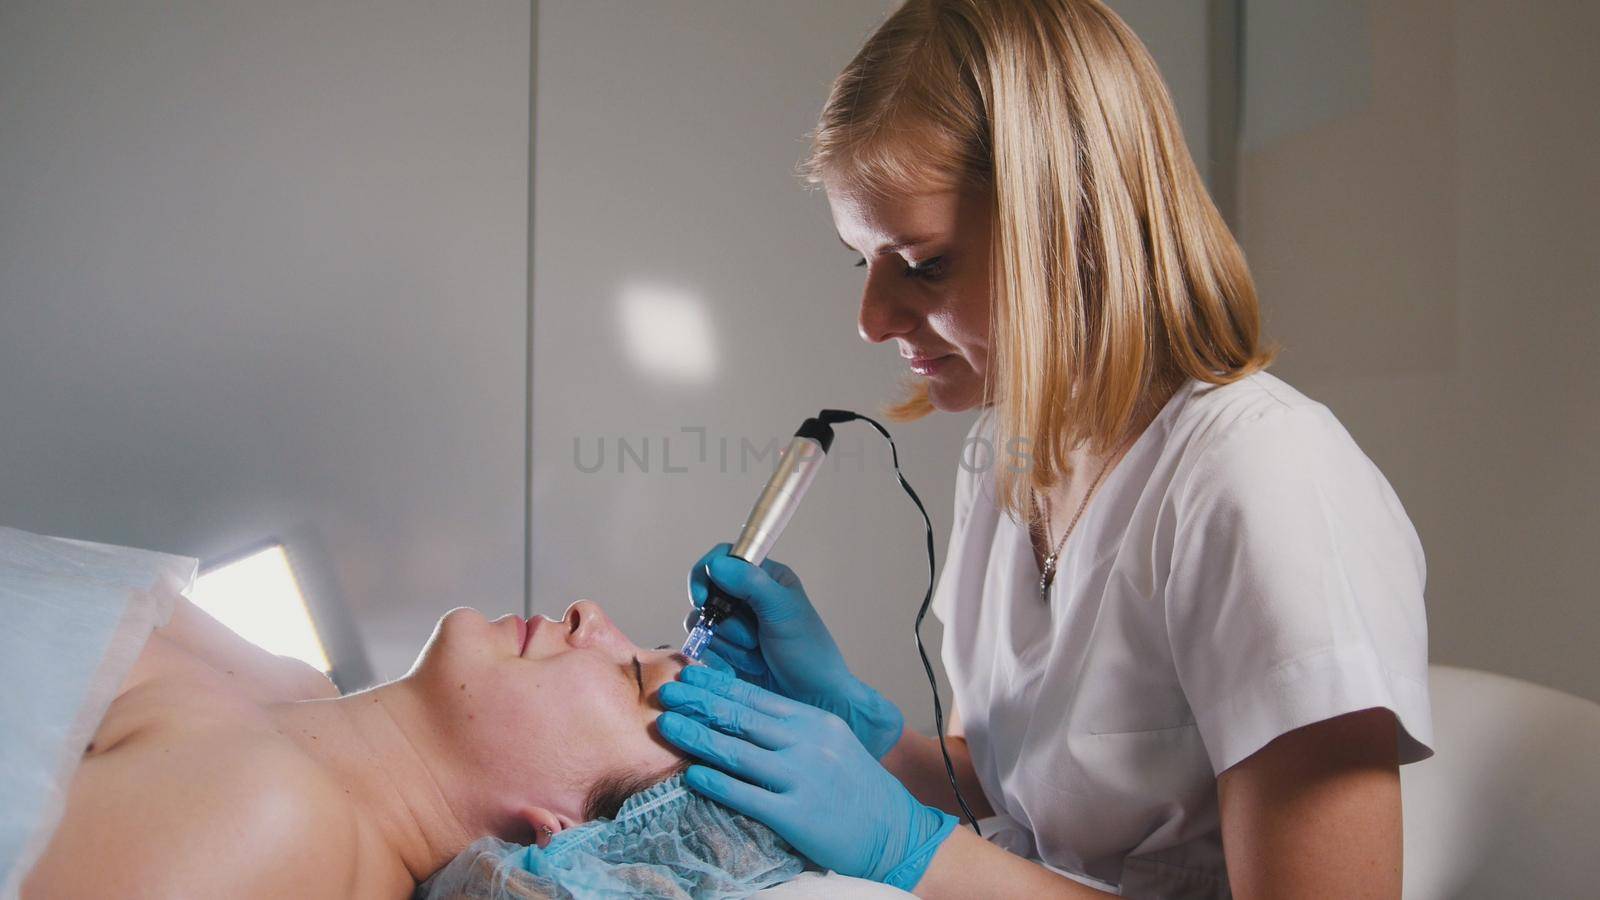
x: 834, y: 416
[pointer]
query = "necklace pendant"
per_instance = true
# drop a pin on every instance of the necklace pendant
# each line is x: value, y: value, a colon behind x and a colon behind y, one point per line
x: 1047, y: 575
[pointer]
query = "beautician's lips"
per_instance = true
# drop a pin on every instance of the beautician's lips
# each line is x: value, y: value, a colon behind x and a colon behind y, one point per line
x: 927, y: 365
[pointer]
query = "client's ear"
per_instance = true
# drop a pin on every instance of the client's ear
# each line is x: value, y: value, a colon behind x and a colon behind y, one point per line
x: 543, y: 824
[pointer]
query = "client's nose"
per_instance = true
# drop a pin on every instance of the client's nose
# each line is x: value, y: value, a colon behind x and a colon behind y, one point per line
x: 590, y: 626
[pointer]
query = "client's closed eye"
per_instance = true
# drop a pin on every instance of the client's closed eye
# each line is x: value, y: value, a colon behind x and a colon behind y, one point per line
x: 652, y: 670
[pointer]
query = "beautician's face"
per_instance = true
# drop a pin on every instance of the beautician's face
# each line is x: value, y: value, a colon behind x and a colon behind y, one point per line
x: 930, y: 297
x: 550, y: 705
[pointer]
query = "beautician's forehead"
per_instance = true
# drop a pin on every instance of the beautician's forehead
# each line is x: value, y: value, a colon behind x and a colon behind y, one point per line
x: 874, y: 225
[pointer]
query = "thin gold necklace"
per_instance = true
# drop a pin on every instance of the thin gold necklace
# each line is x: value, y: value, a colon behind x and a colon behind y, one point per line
x: 1047, y: 573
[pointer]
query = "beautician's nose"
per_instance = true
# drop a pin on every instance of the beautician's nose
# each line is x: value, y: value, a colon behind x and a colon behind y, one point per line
x: 886, y: 309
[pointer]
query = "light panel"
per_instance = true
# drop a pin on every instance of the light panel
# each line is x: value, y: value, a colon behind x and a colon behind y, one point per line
x: 257, y: 596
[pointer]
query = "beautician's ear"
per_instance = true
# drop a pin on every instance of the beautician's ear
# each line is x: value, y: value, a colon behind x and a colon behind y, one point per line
x: 543, y: 824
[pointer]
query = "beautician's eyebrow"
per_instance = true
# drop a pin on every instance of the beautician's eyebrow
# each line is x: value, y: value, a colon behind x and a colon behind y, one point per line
x: 901, y: 244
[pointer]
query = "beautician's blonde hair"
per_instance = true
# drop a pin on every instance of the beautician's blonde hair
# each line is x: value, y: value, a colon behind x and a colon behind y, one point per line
x: 1111, y: 271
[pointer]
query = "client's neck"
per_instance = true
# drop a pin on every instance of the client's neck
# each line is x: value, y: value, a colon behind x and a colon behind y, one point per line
x: 365, y: 743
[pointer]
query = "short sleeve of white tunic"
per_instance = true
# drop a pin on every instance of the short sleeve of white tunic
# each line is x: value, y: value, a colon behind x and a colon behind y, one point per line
x: 1244, y: 571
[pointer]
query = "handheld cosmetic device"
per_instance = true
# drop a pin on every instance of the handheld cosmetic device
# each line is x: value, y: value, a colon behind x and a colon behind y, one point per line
x: 797, y: 468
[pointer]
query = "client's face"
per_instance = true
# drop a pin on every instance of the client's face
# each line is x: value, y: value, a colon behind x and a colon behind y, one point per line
x: 550, y: 706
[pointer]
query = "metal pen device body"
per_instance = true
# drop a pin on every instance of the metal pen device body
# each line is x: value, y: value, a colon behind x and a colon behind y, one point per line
x: 797, y: 468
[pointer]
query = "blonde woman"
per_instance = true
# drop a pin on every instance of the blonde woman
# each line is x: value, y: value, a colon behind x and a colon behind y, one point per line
x: 1183, y: 611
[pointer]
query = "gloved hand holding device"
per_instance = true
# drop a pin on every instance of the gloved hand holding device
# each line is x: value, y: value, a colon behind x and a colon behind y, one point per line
x: 779, y: 643
x: 800, y: 770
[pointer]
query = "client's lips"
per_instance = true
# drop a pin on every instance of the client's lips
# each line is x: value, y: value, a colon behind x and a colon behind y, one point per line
x: 524, y: 632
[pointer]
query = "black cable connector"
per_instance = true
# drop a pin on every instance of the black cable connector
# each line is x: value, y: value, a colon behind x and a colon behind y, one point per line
x: 835, y: 417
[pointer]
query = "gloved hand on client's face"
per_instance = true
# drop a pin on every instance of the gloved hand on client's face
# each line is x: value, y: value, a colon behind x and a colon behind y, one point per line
x: 778, y: 641
x: 800, y: 770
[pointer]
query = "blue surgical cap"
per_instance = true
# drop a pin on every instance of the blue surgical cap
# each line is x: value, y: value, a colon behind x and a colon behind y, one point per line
x: 666, y: 841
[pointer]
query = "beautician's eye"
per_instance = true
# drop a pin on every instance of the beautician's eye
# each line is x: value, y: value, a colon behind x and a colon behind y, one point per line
x: 928, y: 269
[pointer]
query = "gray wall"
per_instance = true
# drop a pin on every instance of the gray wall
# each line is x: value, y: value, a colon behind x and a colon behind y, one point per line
x: 263, y: 273
x: 666, y: 134
x: 1424, y: 235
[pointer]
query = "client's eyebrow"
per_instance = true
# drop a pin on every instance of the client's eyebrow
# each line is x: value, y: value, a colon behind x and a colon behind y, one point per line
x: 638, y: 675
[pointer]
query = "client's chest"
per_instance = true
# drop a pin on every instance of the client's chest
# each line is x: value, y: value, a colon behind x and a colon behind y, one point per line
x: 171, y: 692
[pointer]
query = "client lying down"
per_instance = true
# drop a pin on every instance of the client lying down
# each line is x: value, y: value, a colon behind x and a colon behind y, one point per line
x: 222, y: 770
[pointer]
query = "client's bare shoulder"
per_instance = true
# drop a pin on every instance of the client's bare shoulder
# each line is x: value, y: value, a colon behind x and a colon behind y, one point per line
x: 189, y: 789
x: 252, y: 671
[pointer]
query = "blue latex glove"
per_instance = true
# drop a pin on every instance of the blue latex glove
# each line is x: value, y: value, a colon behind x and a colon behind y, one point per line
x: 801, y: 771
x: 780, y: 643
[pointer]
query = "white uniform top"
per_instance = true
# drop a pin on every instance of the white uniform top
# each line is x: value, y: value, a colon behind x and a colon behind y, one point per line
x: 1244, y: 571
